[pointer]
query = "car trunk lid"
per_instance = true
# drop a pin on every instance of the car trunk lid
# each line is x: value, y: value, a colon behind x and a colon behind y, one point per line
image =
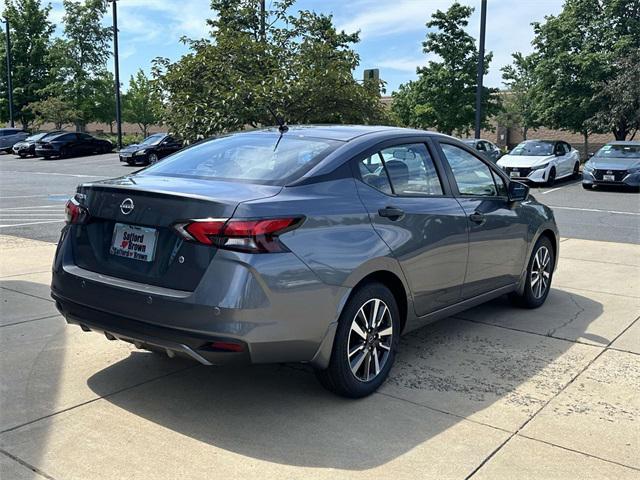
x: 157, y: 204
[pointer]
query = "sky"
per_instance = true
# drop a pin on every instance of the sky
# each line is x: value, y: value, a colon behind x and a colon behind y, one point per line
x: 391, y: 31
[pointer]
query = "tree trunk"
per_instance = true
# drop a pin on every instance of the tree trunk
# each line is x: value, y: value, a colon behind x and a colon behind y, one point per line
x: 586, y: 145
x: 620, y: 132
x: 111, y: 128
x: 525, y: 130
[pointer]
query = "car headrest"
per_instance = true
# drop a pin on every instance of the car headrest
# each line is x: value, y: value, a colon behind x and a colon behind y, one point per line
x: 398, y: 171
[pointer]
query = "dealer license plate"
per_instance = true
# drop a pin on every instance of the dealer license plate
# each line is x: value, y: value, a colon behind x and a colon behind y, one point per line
x: 514, y: 173
x: 609, y: 178
x: 131, y: 241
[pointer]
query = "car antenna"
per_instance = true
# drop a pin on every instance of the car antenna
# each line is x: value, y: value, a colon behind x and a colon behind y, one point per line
x: 282, y: 126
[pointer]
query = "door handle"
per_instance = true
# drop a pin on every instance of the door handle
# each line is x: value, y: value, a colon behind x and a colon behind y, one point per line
x: 477, y: 217
x: 392, y: 213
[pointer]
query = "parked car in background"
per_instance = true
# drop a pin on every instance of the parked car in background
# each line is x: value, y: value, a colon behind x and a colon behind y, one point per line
x: 150, y: 150
x: 10, y: 136
x: 318, y: 244
x: 28, y: 146
x: 617, y: 163
x: 71, y: 144
x: 541, y: 161
x: 485, y: 147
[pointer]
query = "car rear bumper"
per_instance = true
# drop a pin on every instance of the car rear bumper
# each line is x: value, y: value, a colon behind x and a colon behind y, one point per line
x: 153, y: 337
x: 271, y: 304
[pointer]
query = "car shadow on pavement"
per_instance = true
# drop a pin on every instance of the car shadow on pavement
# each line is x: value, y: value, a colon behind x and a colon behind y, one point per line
x: 496, y: 376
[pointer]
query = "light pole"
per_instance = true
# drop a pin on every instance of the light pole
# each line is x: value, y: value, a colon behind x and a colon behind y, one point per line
x: 9, y: 81
x: 117, y: 72
x: 483, y: 25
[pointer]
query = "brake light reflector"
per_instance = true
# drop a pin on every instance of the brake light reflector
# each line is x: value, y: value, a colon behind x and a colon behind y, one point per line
x: 244, y: 235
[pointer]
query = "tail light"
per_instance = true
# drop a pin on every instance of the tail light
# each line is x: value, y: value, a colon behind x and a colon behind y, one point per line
x: 74, y: 212
x: 243, y: 235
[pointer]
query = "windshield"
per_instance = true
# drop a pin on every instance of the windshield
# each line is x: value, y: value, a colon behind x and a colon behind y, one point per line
x: 36, y: 137
x: 259, y: 158
x: 153, y: 139
x: 632, y: 152
x: 533, y: 148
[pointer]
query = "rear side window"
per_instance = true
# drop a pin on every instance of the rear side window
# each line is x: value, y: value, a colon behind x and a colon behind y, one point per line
x: 472, y: 175
x: 411, y: 170
x: 374, y: 174
x: 261, y: 158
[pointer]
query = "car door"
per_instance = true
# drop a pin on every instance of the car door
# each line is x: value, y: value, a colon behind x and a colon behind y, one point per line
x: 167, y: 147
x: 498, y: 229
x: 563, y: 159
x: 414, y: 212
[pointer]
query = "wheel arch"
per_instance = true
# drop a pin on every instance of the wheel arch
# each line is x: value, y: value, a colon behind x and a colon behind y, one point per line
x: 394, y: 284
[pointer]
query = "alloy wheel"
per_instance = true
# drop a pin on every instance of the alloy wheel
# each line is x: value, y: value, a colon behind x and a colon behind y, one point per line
x: 370, y: 340
x: 153, y: 158
x: 540, y: 272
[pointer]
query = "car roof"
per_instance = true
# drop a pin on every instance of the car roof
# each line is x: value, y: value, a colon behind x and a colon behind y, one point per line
x: 344, y: 133
x: 625, y: 142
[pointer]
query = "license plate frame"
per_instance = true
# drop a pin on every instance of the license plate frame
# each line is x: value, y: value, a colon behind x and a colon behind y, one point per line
x: 514, y: 174
x: 134, y: 242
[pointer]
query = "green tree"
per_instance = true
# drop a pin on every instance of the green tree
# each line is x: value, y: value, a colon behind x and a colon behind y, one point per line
x: 621, y: 95
x: 80, y: 57
x: 54, y: 110
x: 104, y: 99
x: 300, y: 69
x: 30, y: 42
x: 443, y: 97
x: 519, y: 105
x: 577, y: 54
x: 142, y: 104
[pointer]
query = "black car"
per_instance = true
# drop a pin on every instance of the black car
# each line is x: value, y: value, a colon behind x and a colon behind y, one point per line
x: 28, y: 145
x: 150, y: 150
x: 71, y: 144
x: 485, y: 147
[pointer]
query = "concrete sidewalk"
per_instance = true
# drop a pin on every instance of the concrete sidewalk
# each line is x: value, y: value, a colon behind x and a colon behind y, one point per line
x: 495, y: 392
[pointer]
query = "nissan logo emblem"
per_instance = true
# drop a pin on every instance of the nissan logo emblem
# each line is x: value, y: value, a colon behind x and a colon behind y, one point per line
x: 126, y: 207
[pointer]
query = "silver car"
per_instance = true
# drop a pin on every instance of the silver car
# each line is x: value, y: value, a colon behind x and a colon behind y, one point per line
x: 10, y: 136
x: 312, y: 244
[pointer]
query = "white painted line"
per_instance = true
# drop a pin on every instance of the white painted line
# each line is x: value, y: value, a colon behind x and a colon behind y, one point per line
x: 615, y: 212
x: 34, y: 196
x: 552, y: 190
x: 31, y: 223
x: 55, y: 173
x: 32, y: 214
x: 57, y: 205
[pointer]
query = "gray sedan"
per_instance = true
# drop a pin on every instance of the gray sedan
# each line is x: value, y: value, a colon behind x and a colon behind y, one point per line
x: 313, y: 244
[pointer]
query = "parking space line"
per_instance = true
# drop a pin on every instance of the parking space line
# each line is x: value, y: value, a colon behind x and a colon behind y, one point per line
x: 595, y: 210
x: 54, y: 173
x: 30, y: 223
x: 552, y: 190
x: 33, y: 196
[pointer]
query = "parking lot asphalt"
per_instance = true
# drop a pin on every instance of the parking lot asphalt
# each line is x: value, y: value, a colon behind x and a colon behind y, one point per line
x: 495, y: 392
x: 33, y: 192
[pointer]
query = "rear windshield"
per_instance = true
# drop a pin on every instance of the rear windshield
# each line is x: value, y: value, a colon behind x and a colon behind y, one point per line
x: 36, y: 137
x: 258, y: 158
x: 533, y: 148
x: 619, y: 151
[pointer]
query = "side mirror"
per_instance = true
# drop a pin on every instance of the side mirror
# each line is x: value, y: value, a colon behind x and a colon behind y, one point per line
x: 518, y: 191
x: 591, y: 154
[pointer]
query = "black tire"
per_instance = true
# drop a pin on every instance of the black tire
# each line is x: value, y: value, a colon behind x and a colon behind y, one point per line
x: 576, y: 170
x: 152, y: 158
x: 339, y: 377
x: 46, y: 157
x: 64, y: 153
x: 22, y: 155
x: 131, y: 162
x: 532, y: 296
x: 552, y: 178
x: 587, y: 186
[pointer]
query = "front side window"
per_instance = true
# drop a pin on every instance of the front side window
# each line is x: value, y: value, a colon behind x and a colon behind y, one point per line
x: 262, y: 158
x: 471, y: 174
